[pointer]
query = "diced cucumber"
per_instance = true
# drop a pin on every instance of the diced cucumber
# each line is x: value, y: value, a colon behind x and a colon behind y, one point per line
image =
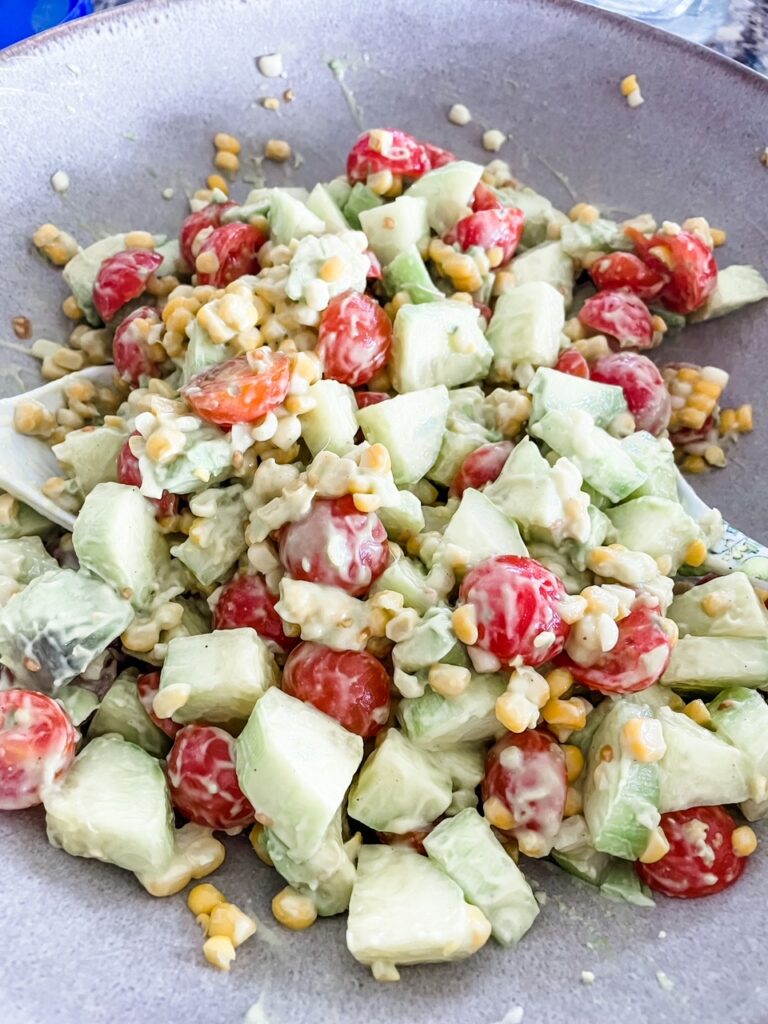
x: 322, y: 204
x: 113, y: 805
x: 360, y: 198
x: 217, y: 537
x: 621, y: 795
x: 81, y: 271
x: 202, y: 353
x: 327, y: 876
x: 737, y: 286
x: 537, y: 209
x: 582, y: 738
x: 655, y: 457
x: 295, y: 764
x: 600, y: 527
x: 332, y: 423
x: 709, y: 663
x: 551, y: 389
x: 404, y: 520
x: 725, y: 606
x: 466, y: 849
x: 411, y: 429
x: 699, y: 768
x: 310, y: 256
x: 408, y: 273
x: 206, y: 459
x: 547, y: 263
x: 599, y: 457
x: 448, y: 192
x: 601, y: 235
x: 465, y: 764
x: 339, y: 190
x: 621, y: 884
x: 407, y: 577
x: 90, y: 455
x: 117, y: 537
x: 575, y: 853
x: 431, y: 641
x: 437, y: 343
x: 223, y: 675
x: 21, y: 561
x: 470, y: 424
x: 433, y: 721
x: 482, y: 530
x: 656, y: 526
x: 526, y: 327
x: 740, y: 716
x: 400, y: 787
x: 61, y: 621
x: 405, y: 910
x: 290, y: 218
x: 23, y: 521
x: 78, y: 702
x: 122, y: 712
x: 557, y: 562
x: 394, y: 227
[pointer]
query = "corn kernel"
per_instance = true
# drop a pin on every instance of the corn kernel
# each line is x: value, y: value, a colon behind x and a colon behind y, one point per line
x: 376, y: 458
x: 694, y: 464
x: 228, y: 162
x: 584, y: 213
x: 206, y: 263
x: 70, y: 308
x: 628, y: 85
x: 227, y: 143
x: 559, y: 681
x: 698, y: 712
x: 513, y: 711
x: 574, y: 802
x: 719, y: 237
x: 691, y: 418
x: 203, y: 898
x: 574, y: 761
x: 228, y: 920
x: 293, y: 910
x: 727, y: 423
x: 644, y: 739
x: 365, y: 502
x: 744, y: 419
x: 567, y: 713
x: 743, y: 841
x: 464, y: 621
x: 332, y: 269
x: 169, y: 699
x: 139, y: 240
x: 219, y: 951
x: 380, y: 182
x: 203, y: 920
x: 696, y: 554
x: 258, y: 847
x: 658, y: 847
x: 215, y: 181
x: 449, y: 680
x: 278, y: 150
x: 498, y: 815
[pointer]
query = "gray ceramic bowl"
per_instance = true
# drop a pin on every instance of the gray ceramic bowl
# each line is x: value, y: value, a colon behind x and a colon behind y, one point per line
x: 127, y: 104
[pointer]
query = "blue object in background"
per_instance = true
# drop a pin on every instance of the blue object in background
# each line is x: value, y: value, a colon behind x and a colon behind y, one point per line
x: 22, y: 18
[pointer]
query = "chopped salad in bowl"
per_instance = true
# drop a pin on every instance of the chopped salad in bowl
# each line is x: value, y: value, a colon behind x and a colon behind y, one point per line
x: 379, y: 557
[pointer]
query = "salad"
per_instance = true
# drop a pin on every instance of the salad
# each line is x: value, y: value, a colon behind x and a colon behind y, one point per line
x: 378, y: 558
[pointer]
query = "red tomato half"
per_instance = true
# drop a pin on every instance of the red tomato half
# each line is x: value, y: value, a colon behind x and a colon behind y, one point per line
x: 129, y: 472
x: 123, y: 277
x: 617, y: 270
x: 482, y: 466
x: 638, y: 660
x: 688, y: 264
x: 366, y: 398
x: 489, y: 229
x: 438, y: 157
x: 236, y: 247
x: 402, y: 154
x: 240, y: 390
x: 485, y: 198
x: 701, y: 860
x: 203, y: 781
x: 130, y: 349
x: 573, y: 363
x: 354, y: 338
x: 37, y: 746
x: 516, y: 600
x: 247, y: 601
x: 620, y: 315
x: 336, y: 545
x: 204, y: 220
x: 350, y: 686
x: 643, y: 386
x: 526, y: 772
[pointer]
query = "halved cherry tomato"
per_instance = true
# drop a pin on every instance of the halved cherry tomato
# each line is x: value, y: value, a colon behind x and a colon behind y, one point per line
x: 123, y: 277
x: 482, y: 466
x: 573, y: 363
x: 686, y: 261
x: 438, y: 157
x: 637, y: 661
x: 336, y: 545
x: 130, y: 347
x: 203, y: 781
x: 701, y: 860
x: 516, y: 600
x: 616, y: 270
x: 489, y: 229
x: 240, y: 390
x: 129, y: 472
x: 247, y: 601
x: 402, y: 154
x: 526, y: 773
x: 236, y: 247
x: 37, y: 746
x: 351, y: 686
x: 147, y: 687
x: 374, y: 270
x: 203, y: 220
x: 620, y: 315
x: 643, y: 386
x: 354, y: 338
x: 366, y: 398
x: 485, y: 198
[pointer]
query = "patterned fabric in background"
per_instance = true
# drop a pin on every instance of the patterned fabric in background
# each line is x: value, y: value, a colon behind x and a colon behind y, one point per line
x: 743, y: 35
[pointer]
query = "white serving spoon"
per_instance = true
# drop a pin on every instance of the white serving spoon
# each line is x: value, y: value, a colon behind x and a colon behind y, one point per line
x: 27, y: 462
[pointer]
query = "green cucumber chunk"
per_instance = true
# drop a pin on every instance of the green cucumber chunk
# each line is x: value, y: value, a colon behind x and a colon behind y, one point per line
x: 21, y: 561
x: 575, y: 853
x: 202, y: 353
x: 290, y: 218
x: 332, y: 423
x: 323, y: 205
x: 404, y: 520
x: 737, y: 286
x: 621, y: 884
x: 448, y: 193
x: 481, y: 530
x: 708, y: 663
x: 411, y: 429
x: 437, y: 343
x: 655, y: 457
x: 726, y: 606
x: 24, y: 521
x: 551, y: 389
x: 394, y: 227
x: 122, y: 712
x: 659, y: 527
x: 217, y: 538
x: 360, y: 198
x: 408, y: 273
x: 433, y: 721
x: 90, y: 455
x: 548, y: 263
x: 525, y: 328
x: 406, y: 576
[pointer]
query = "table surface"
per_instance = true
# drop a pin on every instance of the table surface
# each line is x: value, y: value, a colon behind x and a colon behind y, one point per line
x: 743, y: 35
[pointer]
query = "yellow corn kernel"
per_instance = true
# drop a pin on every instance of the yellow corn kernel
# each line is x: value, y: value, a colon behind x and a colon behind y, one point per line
x: 714, y: 455
x: 206, y: 263
x: 659, y: 324
x: 698, y: 712
x: 663, y: 253
x: 691, y: 417
x: 696, y: 554
x: 644, y: 740
x: 574, y: 761
x: 219, y: 951
x: 714, y: 605
x: 584, y: 213
x: 574, y: 802
x: 567, y: 713
x: 258, y: 848
x: 70, y: 308
x: 203, y: 920
x: 498, y: 815
x: 380, y: 182
x: 9, y: 508
x: 719, y: 237
x: 464, y: 621
x: 228, y: 920
x: 574, y: 329
x: 293, y: 910
x: 628, y: 85
x: 744, y: 419
x: 708, y: 387
x: 743, y: 841
x: 332, y: 269
x: 694, y: 464
x: 559, y: 681
x: 727, y: 422
x: 658, y: 847
x: 225, y: 161
x: 513, y: 711
x: 700, y: 402
x: 365, y: 502
x: 164, y: 444
x: 449, y: 680
x: 227, y: 143
x: 139, y: 240
x: 376, y: 458
x: 214, y: 181
x: 32, y: 418
x: 277, y: 149
x: 503, y: 282
x: 203, y: 898
x: 169, y: 699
